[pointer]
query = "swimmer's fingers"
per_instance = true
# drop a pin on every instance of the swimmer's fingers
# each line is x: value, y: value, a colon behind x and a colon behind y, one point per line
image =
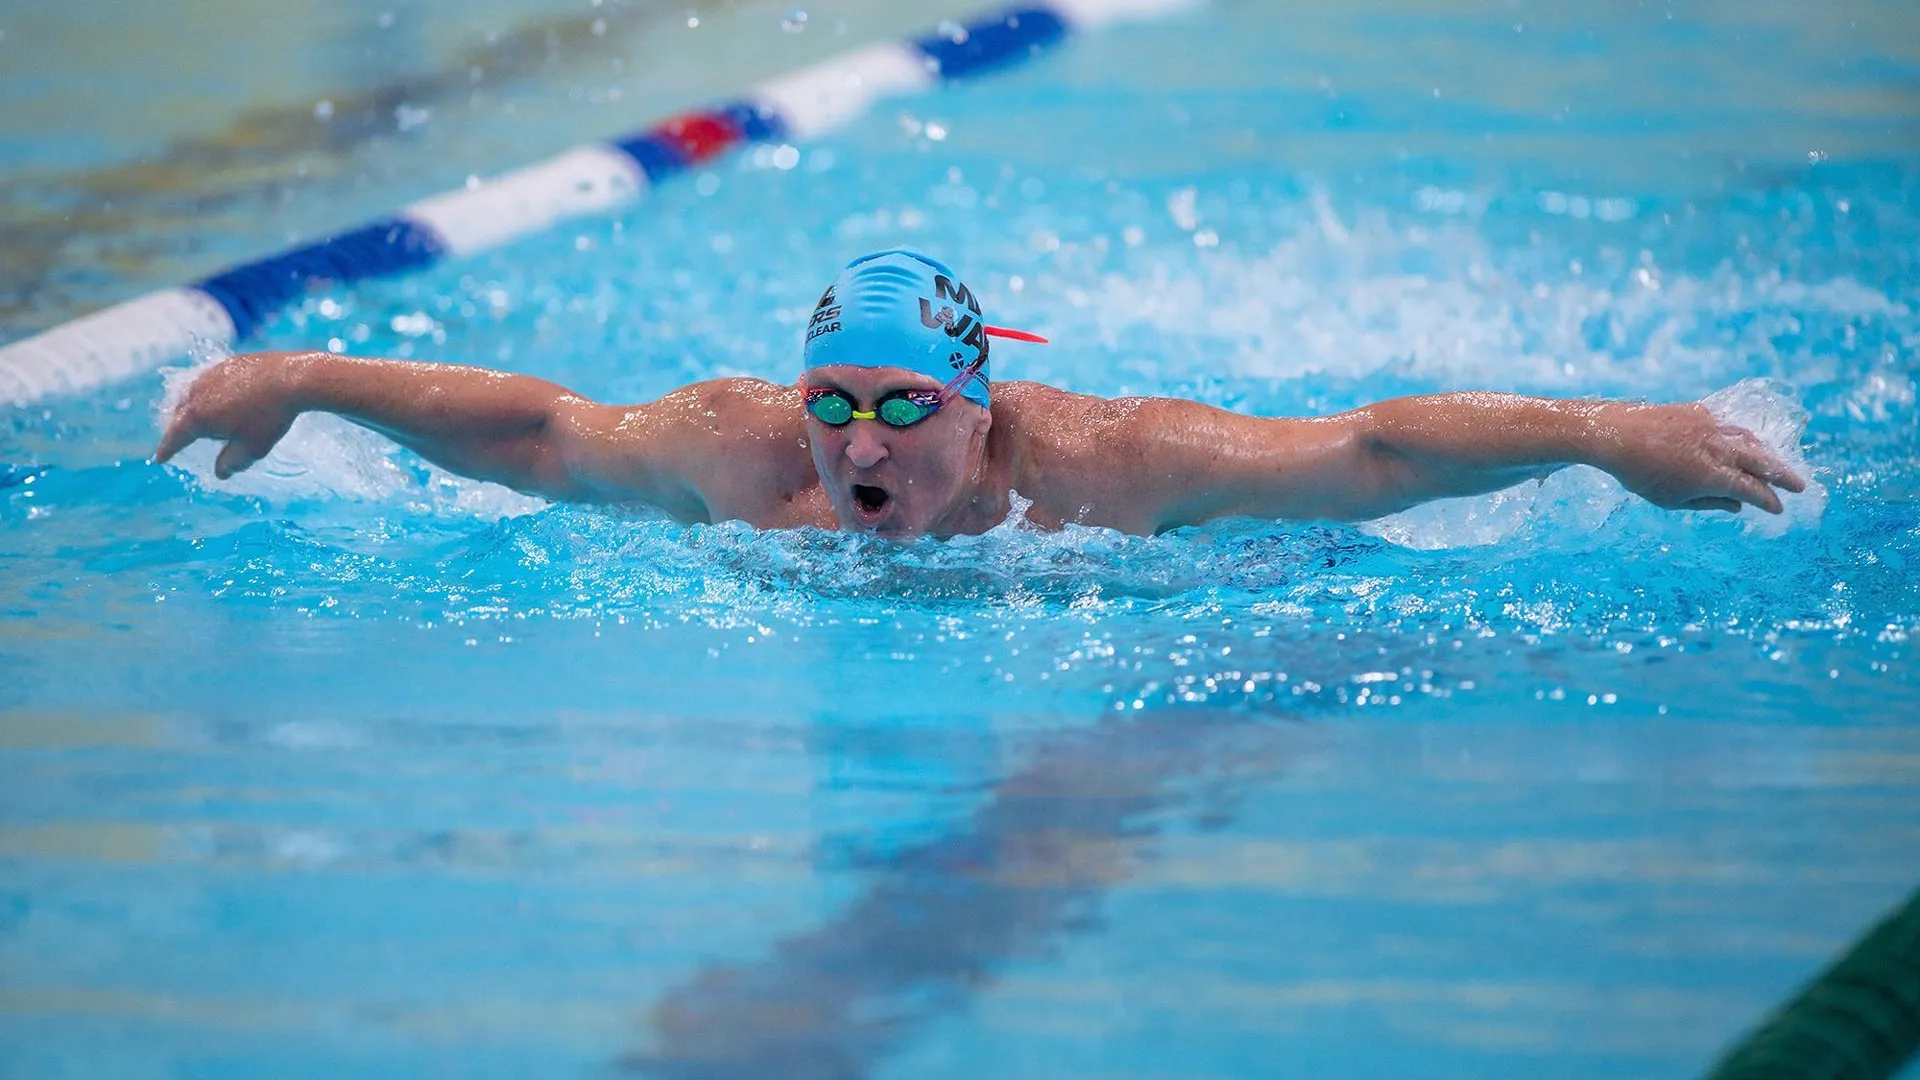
x: 1752, y: 489
x: 179, y: 435
x: 1755, y: 458
x: 241, y: 451
x: 234, y: 458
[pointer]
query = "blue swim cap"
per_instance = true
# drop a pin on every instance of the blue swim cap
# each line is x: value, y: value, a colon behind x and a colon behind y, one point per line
x: 901, y: 309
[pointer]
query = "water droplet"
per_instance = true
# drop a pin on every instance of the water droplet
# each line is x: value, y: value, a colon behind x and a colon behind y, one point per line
x: 385, y: 20
x: 952, y: 31
x: 793, y: 22
x: 323, y: 109
x: 1182, y: 207
x: 407, y: 117
x: 693, y: 21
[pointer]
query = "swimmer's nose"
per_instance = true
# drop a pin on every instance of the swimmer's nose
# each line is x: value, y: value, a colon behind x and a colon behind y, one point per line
x: 864, y: 447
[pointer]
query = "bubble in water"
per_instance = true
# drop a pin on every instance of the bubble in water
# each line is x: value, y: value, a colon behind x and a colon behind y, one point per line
x: 406, y: 117
x: 1182, y: 206
x: 952, y: 31
x: 794, y: 21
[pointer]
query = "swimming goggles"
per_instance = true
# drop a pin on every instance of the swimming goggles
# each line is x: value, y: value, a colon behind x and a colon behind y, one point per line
x: 900, y: 409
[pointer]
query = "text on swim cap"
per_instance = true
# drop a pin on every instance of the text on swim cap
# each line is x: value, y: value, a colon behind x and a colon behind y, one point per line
x: 969, y: 329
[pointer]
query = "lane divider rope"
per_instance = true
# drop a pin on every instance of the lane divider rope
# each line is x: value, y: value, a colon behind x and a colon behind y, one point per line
x: 138, y: 335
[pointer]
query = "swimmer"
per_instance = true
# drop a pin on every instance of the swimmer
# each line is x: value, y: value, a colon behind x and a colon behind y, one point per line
x: 895, y: 428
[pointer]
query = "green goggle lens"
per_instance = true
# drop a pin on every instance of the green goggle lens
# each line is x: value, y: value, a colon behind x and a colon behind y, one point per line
x: 900, y: 412
x: 831, y: 409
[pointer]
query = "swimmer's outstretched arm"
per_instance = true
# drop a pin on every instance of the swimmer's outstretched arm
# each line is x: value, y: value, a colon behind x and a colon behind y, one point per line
x: 1195, y: 462
x: 526, y: 433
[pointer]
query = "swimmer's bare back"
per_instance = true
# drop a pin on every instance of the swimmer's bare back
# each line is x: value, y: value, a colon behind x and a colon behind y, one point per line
x: 745, y: 449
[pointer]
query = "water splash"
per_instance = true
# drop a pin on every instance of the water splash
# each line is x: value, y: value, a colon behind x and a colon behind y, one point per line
x: 1767, y: 408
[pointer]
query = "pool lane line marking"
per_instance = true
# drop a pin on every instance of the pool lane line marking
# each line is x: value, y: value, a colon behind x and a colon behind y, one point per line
x: 268, y: 146
x: 137, y: 335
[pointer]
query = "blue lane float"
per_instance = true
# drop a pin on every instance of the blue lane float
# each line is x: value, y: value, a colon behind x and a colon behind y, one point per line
x: 250, y: 294
x: 231, y: 306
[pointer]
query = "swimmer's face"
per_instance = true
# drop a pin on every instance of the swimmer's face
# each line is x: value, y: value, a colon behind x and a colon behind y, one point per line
x: 897, y: 482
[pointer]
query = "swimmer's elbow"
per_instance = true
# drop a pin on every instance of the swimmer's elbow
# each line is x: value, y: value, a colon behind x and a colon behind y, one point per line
x: 1386, y: 478
x: 614, y: 454
x: 570, y: 457
x: 1345, y: 468
x: 1327, y: 469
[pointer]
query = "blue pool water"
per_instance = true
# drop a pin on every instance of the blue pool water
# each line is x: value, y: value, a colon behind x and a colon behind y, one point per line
x: 351, y: 767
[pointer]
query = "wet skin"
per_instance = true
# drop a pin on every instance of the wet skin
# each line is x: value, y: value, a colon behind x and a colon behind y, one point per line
x: 744, y: 449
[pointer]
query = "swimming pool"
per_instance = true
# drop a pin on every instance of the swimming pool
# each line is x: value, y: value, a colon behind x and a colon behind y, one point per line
x: 349, y: 766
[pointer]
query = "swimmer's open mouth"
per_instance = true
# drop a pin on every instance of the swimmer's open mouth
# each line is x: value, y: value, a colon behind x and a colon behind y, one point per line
x: 870, y: 500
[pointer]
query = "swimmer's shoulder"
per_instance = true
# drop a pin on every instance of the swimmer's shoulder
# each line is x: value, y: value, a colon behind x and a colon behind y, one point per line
x: 727, y: 411
x: 736, y: 447
x: 1072, y: 454
x: 730, y: 427
x: 1061, y: 422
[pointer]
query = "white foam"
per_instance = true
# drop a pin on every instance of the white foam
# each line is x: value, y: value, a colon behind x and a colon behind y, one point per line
x: 1576, y: 499
x: 1340, y: 299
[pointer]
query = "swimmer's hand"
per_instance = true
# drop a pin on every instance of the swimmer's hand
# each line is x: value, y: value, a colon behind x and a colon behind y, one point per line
x: 248, y: 401
x: 1680, y: 457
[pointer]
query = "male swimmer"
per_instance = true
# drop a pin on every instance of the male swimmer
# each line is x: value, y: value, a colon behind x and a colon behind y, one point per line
x: 895, y: 428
